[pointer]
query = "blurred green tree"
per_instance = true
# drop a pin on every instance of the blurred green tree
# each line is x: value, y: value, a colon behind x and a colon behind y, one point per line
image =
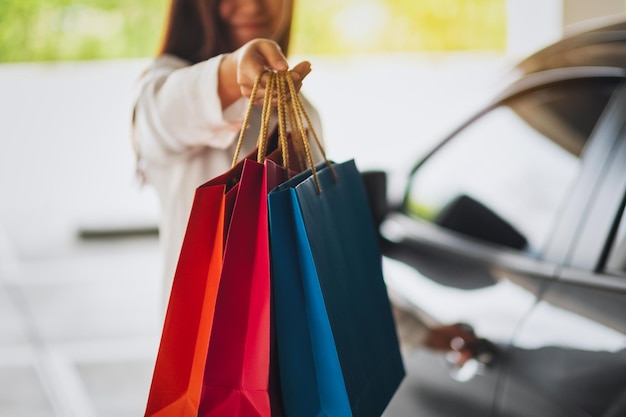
x: 45, y: 30
x: 331, y: 26
x: 49, y: 30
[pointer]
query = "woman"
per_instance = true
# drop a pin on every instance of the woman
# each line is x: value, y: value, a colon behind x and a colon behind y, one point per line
x: 191, y: 100
x: 189, y: 108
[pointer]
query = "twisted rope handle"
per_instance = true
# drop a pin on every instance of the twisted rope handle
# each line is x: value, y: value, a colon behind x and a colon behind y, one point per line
x: 301, y: 111
x: 291, y: 109
x: 300, y: 114
x: 282, y: 123
x: 246, y: 119
x: 296, y: 138
x: 266, y: 114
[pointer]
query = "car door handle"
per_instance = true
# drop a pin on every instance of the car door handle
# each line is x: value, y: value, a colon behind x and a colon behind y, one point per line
x: 485, y: 355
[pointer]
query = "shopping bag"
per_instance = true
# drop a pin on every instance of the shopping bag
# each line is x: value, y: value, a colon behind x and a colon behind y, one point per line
x: 310, y: 372
x: 179, y: 373
x: 327, y: 219
x: 238, y: 360
x: 324, y: 241
x: 179, y: 369
x: 239, y: 378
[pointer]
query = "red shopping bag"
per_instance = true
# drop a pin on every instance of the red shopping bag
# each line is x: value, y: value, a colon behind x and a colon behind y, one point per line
x: 237, y: 369
x: 179, y: 369
x: 239, y: 378
x: 180, y: 366
x: 214, y: 355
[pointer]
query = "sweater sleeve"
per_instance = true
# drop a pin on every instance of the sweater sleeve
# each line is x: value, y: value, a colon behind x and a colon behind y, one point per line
x: 177, y: 109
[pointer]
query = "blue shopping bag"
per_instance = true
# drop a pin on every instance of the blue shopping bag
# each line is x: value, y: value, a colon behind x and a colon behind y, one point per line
x: 336, y: 335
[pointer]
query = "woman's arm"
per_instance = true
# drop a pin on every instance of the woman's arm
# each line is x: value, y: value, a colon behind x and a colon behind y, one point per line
x: 177, y: 108
x: 180, y: 106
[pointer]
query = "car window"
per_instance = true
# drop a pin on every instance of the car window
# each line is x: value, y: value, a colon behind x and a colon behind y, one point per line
x: 504, y: 176
x: 616, y: 261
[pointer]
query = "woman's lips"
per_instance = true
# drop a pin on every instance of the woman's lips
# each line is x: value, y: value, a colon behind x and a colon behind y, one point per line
x: 251, y: 26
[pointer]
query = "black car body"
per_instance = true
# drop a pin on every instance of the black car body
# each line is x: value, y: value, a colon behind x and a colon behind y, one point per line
x: 515, y: 224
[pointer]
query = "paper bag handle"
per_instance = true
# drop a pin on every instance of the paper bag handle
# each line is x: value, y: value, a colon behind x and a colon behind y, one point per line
x: 290, y: 109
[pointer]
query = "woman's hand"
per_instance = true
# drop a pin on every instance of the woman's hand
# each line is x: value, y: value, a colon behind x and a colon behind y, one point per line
x: 456, y: 337
x: 239, y: 69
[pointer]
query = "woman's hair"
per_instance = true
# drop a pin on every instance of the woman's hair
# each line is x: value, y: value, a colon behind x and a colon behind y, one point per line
x: 195, y: 32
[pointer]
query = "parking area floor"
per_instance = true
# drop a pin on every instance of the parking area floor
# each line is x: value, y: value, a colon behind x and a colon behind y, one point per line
x: 79, y: 332
x: 80, y: 320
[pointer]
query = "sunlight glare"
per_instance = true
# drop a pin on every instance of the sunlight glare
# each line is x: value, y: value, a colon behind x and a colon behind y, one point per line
x: 362, y: 22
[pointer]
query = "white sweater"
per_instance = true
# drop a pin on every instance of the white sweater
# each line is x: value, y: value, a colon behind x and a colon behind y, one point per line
x: 183, y: 139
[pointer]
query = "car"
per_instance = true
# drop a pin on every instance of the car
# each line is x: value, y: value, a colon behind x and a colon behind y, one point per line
x: 515, y: 224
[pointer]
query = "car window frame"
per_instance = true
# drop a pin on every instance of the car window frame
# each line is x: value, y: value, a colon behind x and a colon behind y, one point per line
x: 521, y: 87
x: 598, y: 228
x: 571, y: 226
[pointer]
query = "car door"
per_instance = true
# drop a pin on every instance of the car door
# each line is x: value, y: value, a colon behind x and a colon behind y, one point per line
x: 568, y: 357
x: 468, y: 243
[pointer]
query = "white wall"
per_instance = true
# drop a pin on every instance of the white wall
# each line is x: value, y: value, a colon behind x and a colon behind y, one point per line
x: 575, y: 11
x: 533, y: 24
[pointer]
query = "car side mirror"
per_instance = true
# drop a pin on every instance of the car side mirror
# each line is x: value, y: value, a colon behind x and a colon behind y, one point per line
x: 468, y: 216
x: 375, y: 183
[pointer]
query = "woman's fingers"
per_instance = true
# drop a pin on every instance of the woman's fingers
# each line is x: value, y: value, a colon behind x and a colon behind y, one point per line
x: 301, y: 70
x: 262, y: 55
x: 261, y: 91
x: 239, y: 70
x: 271, y: 56
x: 257, y: 56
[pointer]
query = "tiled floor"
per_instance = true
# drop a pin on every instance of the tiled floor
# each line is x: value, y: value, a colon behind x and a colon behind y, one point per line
x: 78, y: 332
x: 80, y: 321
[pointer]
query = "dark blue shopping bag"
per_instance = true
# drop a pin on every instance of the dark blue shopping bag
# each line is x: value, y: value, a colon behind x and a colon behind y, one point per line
x: 337, y: 345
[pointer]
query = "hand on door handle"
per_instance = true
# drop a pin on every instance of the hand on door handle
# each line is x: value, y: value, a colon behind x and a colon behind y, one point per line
x: 483, y: 355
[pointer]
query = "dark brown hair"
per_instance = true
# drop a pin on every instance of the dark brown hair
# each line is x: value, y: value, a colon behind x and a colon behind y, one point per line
x: 195, y: 32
